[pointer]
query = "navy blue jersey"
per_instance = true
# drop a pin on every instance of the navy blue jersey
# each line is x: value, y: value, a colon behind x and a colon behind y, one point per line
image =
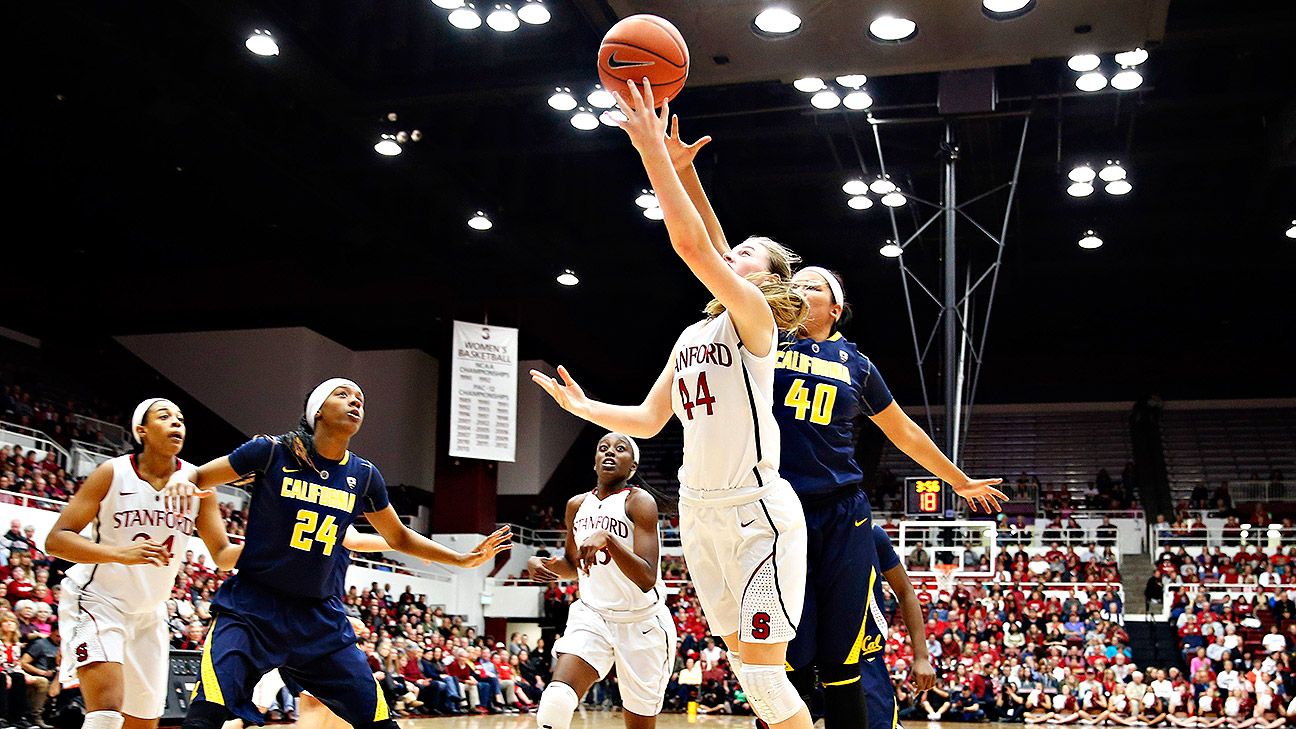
x: 820, y: 391
x: 298, y: 516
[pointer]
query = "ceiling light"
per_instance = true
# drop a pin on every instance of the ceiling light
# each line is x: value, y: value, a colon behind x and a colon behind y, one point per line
x: 647, y: 199
x: 1083, y: 63
x: 860, y: 202
x: 601, y: 98
x: 1092, y: 81
x: 653, y: 213
x: 448, y: 4
x: 387, y: 146
x: 562, y: 100
x: 465, y: 18
x: 809, y: 84
x: 852, y: 80
x: 1291, y: 232
x: 1130, y: 59
x: 1006, y: 9
x: 825, y: 100
x: 533, y: 13
x: 858, y: 100
x: 261, y: 43
x: 855, y: 187
x: 584, y: 120
x: 568, y: 278
x: 776, y: 23
x: 612, y: 118
x: 893, y: 199
x: 1090, y: 241
x: 890, y: 29
x: 891, y: 250
x: 1127, y: 79
x: 1118, y: 187
x: 479, y: 221
x: 1112, y: 171
x: 882, y: 185
x: 502, y: 19
x: 1081, y: 173
x: 1080, y: 189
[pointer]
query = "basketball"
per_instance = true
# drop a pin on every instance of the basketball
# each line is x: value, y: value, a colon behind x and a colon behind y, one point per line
x: 644, y: 46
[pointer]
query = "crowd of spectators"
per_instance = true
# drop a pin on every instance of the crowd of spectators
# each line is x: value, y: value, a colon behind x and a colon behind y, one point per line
x: 1248, y: 565
x: 1058, y: 563
x: 55, y: 416
x: 28, y: 474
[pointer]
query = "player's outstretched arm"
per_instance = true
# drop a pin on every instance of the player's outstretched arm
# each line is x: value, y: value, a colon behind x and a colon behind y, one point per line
x: 643, y: 563
x: 200, y: 483
x: 901, y: 430
x: 688, y: 233
x: 924, y: 676
x: 637, y: 421
x: 65, y: 540
x: 403, y: 539
x: 211, y: 529
x: 682, y: 156
x: 562, y: 567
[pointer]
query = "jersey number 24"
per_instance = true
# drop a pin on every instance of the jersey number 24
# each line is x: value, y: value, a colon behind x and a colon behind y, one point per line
x: 308, y: 524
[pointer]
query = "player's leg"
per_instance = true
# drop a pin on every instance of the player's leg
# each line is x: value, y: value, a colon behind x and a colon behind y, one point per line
x: 804, y: 647
x: 93, y: 648
x: 144, y: 671
x: 344, y: 683
x: 851, y: 625
x: 645, y: 655
x: 313, y: 714
x: 769, y: 565
x: 584, y: 656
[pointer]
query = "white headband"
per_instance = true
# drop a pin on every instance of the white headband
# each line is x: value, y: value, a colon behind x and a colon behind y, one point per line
x: 634, y: 447
x: 321, y: 393
x: 138, y: 418
x: 833, y: 284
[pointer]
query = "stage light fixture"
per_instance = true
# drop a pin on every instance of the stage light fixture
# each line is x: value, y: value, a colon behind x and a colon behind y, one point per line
x: 601, y: 98
x: 1081, y: 173
x: 826, y: 99
x: 1118, y: 187
x: 882, y: 185
x: 465, y: 18
x: 857, y: 101
x: 1092, y: 81
x: 776, y: 23
x: 890, y: 29
x: 654, y: 213
x: 894, y: 199
x: 568, y: 278
x: 1083, y: 63
x: 809, y: 84
x: 612, y: 118
x: 1291, y: 232
x: 852, y: 80
x: 480, y: 221
x: 1112, y: 171
x: 1090, y: 241
x: 262, y: 43
x: 533, y: 13
x: 1130, y: 59
x: 860, y: 202
x: 387, y: 146
x: 855, y: 186
x: 584, y: 120
x: 562, y: 100
x: 1127, y: 80
x: 891, y: 250
x: 1006, y: 9
x: 1080, y: 189
x: 647, y: 199
x: 448, y: 4
x: 502, y: 19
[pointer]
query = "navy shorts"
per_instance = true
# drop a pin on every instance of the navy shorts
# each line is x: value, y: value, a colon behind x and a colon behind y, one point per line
x: 311, y: 642
x: 841, y: 573
x: 880, y: 694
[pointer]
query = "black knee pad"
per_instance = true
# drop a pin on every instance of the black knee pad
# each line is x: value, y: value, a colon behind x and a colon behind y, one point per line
x: 205, y: 715
x: 839, y: 674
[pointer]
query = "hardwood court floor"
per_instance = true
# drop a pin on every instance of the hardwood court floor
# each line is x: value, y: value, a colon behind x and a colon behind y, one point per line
x: 612, y: 720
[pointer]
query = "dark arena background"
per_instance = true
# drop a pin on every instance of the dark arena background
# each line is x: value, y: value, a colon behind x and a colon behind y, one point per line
x: 1066, y: 231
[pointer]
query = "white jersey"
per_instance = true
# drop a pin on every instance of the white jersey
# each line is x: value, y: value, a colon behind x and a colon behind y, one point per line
x: 132, y: 510
x: 606, y: 589
x: 723, y: 396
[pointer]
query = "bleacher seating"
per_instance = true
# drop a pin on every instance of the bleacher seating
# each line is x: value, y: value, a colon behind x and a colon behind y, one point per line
x: 1208, y: 445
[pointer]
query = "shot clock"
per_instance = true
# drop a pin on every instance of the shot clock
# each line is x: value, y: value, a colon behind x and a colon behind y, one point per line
x: 928, y: 497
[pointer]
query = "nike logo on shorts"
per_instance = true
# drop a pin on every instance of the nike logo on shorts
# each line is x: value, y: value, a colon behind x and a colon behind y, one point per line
x: 747, y: 524
x: 614, y: 62
x: 861, y: 521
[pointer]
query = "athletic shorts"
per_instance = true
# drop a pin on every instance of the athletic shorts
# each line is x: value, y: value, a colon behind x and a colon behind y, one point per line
x: 643, y: 652
x: 747, y: 562
x: 93, y: 631
x: 842, y: 621
x: 311, y: 642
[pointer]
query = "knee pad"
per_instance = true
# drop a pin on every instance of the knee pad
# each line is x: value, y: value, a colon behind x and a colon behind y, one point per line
x: 204, y: 715
x: 735, y: 664
x: 104, y: 720
x: 771, y: 695
x: 557, y: 704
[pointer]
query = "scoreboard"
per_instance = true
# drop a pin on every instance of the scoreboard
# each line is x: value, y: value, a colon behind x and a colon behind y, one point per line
x: 928, y: 497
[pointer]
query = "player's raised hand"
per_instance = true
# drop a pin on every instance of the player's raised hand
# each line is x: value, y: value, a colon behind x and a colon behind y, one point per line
x: 982, y: 491
x: 499, y: 540
x: 681, y: 154
x: 923, y: 675
x: 643, y: 124
x: 538, y: 568
x: 176, y: 495
x: 145, y: 551
x: 566, y: 393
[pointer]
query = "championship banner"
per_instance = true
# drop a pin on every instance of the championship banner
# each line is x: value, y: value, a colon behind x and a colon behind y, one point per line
x: 483, y: 392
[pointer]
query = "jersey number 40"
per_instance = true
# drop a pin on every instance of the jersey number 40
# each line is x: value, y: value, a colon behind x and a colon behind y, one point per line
x: 820, y: 407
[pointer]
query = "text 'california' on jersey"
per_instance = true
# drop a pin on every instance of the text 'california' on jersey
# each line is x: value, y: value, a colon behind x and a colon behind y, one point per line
x: 820, y: 391
x: 298, y: 516
x: 721, y: 394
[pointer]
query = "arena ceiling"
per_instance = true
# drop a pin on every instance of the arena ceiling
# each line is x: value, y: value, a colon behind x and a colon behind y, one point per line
x: 162, y: 178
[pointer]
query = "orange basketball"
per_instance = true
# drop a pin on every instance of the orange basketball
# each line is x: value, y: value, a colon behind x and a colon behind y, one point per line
x: 644, y: 45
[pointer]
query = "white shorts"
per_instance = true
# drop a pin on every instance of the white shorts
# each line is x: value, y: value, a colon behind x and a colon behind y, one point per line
x: 95, y: 631
x: 748, y: 563
x: 643, y: 651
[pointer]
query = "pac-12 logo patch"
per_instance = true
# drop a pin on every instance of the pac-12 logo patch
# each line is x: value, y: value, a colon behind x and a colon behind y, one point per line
x: 82, y: 652
x: 842, y: 354
x: 351, y: 482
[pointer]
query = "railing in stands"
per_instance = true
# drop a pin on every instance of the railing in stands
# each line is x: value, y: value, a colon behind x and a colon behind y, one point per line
x: 34, y: 502
x: 33, y: 440
x: 86, y: 456
x: 400, y: 569
x: 1271, y: 536
x: 548, y: 538
x: 112, y: 432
